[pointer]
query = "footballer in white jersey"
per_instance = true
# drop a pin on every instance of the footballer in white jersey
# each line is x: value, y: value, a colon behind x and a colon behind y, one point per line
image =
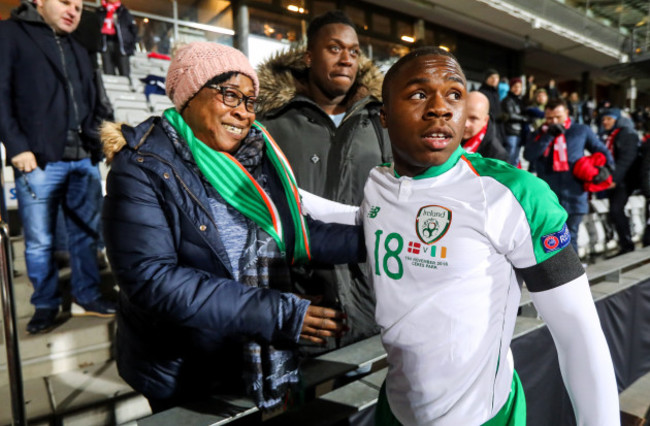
x: 451, y: 237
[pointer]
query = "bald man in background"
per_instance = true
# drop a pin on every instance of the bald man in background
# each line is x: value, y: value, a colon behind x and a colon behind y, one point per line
x: 480, y: 135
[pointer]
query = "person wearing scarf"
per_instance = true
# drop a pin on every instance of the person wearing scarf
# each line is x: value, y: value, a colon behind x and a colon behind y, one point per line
x: 554, y: 149
x: 202, y: 220
x: 479, y: 135
x: 119, y: 35
x: 623, y: 142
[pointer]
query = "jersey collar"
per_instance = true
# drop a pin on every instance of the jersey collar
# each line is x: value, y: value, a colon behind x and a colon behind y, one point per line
x: 434, y: 171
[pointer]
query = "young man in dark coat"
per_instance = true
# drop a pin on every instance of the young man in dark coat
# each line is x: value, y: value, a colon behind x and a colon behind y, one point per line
x: 515, y: 120
x: 48, y: 124
x: 322, y: 106
x: 479, y: 135
x: 623, y: 142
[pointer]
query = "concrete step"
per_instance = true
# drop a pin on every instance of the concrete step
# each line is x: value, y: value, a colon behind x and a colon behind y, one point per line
x: 84, y: 397
x: 635, y: 403
x: 75, y: 343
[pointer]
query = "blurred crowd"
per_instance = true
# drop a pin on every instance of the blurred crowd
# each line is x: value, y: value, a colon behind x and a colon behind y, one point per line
x: 567, y: 139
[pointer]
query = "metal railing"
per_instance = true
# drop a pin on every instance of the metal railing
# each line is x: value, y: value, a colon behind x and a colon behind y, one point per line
x: 9, y: 324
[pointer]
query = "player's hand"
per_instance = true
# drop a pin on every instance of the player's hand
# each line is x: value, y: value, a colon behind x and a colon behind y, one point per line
x: 322, y: 322
x: 24, y: 162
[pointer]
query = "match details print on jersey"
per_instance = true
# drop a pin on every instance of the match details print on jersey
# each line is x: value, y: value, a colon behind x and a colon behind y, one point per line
x: 431, y: 224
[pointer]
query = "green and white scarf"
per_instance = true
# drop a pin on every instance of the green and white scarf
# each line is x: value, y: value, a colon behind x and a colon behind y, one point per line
x: 236, y: 185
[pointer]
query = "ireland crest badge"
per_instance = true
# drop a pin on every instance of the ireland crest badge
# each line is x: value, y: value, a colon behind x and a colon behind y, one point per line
x: 432, y: 223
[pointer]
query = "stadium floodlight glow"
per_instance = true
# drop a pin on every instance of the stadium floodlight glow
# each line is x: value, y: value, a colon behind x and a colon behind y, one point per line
x: 408, y: 39
x: 297, y: 9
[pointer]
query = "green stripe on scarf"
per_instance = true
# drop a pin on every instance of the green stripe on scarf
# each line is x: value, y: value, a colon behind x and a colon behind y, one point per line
x: 240, y: 190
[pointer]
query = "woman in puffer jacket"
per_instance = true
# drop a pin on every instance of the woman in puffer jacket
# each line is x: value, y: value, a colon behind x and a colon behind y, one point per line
x: 202, y: 219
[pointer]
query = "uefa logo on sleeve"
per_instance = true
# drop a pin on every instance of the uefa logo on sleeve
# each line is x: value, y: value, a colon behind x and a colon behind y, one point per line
x: 557, y: 240
x: 551, y: 242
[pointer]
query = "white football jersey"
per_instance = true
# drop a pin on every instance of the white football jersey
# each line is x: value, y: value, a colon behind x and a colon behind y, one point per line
x: 443, y: 247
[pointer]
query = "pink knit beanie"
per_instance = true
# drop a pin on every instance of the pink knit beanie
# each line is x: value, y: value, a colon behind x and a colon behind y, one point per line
x: 196, y: 63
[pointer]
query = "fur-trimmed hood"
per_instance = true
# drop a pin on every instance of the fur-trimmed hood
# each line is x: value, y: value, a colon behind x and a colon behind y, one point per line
x: 112, y: 139
x: 284, y: 75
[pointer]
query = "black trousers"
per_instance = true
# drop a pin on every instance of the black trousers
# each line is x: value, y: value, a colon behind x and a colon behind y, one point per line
x: 113, y: 58
x: 618, y: 197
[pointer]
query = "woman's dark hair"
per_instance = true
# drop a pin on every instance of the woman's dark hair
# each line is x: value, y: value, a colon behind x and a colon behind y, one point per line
x: 214, y: 80
x: 221, y: 78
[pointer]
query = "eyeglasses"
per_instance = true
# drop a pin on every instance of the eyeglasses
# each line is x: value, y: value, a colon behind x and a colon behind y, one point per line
x: 233, y: 98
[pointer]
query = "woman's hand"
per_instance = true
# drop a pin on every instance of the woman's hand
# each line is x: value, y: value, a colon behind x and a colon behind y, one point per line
x: 322, y: 322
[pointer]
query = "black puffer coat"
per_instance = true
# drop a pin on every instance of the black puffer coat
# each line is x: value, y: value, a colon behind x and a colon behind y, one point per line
x: 329, y: 161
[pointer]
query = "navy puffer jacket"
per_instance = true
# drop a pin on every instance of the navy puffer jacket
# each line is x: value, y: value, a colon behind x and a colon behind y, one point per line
x: 182, y: 317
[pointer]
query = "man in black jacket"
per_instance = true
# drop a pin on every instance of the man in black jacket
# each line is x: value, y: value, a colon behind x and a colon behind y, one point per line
x: 49, y: 128
x: 479, y: 135
x: 623, y: 142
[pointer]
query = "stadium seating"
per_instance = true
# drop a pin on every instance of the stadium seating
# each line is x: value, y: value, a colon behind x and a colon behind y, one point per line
x: 127, y: 94
x: 159, y: 103
x: 131, y: 116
